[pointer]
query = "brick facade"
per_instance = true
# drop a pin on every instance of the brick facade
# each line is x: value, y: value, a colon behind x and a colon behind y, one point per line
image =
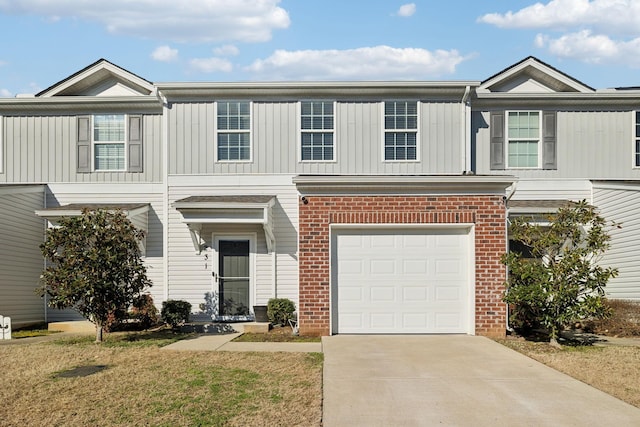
x: 486, y: 212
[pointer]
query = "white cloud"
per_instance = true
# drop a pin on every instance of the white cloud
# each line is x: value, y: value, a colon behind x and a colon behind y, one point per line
x: 4, y: 93
x: 590, y: 31
x: 226, y: 50
x: 614, y: 16
x: 164, y: 54
x: 592, y: 48
x: 407, y: 9
x: 367, y: 63
x: 210, y: 65
x: 175, y: 20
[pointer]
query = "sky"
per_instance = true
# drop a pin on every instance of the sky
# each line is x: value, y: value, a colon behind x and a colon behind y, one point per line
x: 44, y: 41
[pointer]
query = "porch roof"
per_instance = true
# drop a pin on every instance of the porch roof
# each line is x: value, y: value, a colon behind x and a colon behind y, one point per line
x: 531, y: 207
x: 75, y: 209
x: 227, y: 209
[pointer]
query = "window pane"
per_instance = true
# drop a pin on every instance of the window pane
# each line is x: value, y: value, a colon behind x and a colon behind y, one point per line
x: 316, y: 116
x: 401, y: 115
x: 523, y: 138
x: 390, y: 122
x: 108, y: 128
x: 523, y: 154
x: 317, y: 146
x: 400, y: 146
x: 109, y: 156
x: 234, y: 146
x: 234, y: 115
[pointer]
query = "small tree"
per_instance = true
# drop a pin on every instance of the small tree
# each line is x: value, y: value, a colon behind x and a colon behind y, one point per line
x: 94, y: 266
x: 563, y: 282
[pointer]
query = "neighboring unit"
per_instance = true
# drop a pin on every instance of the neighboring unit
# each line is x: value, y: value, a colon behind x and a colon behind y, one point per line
x: 377, y: 207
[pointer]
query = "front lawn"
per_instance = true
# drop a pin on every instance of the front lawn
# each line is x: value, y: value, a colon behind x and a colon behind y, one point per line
x: 275, y: 334
x: 613, y: 369
x: 137, y: 383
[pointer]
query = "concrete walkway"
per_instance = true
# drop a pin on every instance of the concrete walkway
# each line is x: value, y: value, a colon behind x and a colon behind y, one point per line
x: 455, y: 381
x: 223, y: 342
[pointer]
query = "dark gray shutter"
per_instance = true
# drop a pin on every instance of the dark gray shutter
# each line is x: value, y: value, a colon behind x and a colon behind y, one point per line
x: 549, y: 157
x: 135, y: 144
x: 83, y: 145
x: 496, y: 130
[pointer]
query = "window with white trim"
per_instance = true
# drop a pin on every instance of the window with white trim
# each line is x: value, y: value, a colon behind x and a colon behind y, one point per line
x: 636, y: 144
x: 233, y: 126
x: 523, y: 139
x: 316, y: 131
x: 401, y: 130
x: 109, y: 142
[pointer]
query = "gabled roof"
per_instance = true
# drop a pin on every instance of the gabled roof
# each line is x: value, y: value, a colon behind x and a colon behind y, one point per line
x: 532, y: 75
x: 102, y: 78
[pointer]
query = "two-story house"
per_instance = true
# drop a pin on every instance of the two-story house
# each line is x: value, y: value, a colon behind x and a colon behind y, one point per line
x: 378, y: 207
x: 565, y: 141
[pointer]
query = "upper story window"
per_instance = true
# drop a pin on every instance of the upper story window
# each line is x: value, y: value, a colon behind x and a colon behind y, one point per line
x: 234, y: 130
x: 109, y: 137
x: 637, y: 141
x: 523, y: 139
x: 401, y: 130
x: 317, y: 130
x: 109, y: 142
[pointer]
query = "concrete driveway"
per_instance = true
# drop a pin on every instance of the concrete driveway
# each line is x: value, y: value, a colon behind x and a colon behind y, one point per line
x: 454, y: 380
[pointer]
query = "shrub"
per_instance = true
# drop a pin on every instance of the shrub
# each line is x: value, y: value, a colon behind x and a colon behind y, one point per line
x: 144, y: 311
x: 563, y: 282
x: 623, y: 322
x: 280, y: 310
x: 175, y: 312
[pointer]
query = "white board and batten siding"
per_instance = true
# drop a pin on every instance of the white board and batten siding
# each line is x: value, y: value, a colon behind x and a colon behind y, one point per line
x: 590, y: 145
x: 43, y: 149
x: 402, y: 280
x: 63, y: 194
x: 275, y: 140
x: 21, y: 262
x: 619, y: 203
x: 190, y: 274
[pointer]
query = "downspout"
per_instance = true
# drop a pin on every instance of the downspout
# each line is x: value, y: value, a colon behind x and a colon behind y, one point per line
x: 466, y: 130
x: 274, y: 272
x: 506, y: 204
x: 44, y: 260
x: 165, y: 192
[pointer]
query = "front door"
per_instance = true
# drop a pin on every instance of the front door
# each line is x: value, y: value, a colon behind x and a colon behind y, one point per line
x: 234, y: 277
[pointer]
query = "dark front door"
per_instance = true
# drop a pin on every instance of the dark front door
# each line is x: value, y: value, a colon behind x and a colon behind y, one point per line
x: 234, y: 277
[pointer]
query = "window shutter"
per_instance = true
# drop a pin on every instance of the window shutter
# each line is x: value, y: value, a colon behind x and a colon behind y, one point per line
x: 135, y: 144
x: 496, y: 129
x: 549, y: 158
x: 83, y: 146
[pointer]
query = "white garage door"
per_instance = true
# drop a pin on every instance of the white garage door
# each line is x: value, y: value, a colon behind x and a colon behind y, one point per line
x: 401, y: 281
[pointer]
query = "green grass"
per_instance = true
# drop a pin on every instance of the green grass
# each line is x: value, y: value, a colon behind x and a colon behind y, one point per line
x: 37, y: 330
x: 30, y: 333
